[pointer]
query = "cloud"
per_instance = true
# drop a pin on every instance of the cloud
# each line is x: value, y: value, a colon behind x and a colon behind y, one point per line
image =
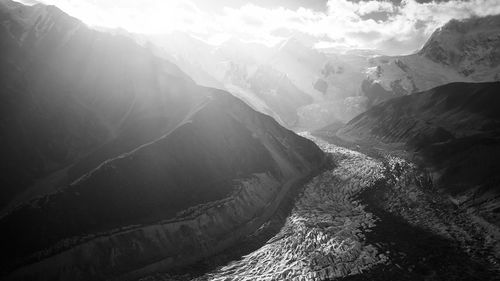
x: 375, y: 24
x: 375, y: 6
x: 407, y: 26
x: 364, y: 35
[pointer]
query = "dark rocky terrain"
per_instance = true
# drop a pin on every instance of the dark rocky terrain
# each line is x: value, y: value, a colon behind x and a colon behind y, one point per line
x: 116, y: 164
x: 455, y: 129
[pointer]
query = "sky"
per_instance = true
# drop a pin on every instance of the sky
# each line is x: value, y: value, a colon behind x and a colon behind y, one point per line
x: 392, y: 27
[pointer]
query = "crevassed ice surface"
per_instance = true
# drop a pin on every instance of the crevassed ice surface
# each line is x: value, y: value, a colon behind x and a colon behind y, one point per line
x: 323, y: 236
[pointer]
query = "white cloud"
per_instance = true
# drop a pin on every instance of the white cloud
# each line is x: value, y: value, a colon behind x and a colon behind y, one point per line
x: 375, y: 6
x: 407, y: 27
x: 343, y: 25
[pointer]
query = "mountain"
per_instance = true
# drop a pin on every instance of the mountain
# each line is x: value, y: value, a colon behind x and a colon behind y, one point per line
x: 115, y: 163
x: 231, y: 66
x: 472, y: 47
x: 332, y: 80
x: 278, y: 92
x: 332, y: 86
x: 455, y: 129
x: 340, y: 97
x: 459, y: 51
x: 67, y: 90
x: 245, y: 70
x: 292, y: 72
x: 192, y: 55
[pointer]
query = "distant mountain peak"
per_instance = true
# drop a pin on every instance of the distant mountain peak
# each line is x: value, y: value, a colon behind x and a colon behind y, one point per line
x: 467, y: 45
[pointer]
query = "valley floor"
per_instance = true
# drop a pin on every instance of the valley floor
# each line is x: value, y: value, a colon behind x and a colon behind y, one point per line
x: 374, y: 217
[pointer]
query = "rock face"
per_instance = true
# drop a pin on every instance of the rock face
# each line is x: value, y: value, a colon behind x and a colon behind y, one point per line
x: 472, y: 47
x: 116, y: 163
x: 459, y: 51
x: 454, y: 128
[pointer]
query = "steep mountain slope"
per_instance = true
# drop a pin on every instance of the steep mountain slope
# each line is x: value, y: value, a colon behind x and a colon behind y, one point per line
x: 455, y: 129
x: 472, y: 47
x: 69, y: 90
x: 116, y: 163
x: 178, y: 199
x: 459, y: 51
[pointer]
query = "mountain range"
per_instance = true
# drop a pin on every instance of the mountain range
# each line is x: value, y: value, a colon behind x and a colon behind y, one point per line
x: 334, y: 86
x: 172, y: 169
x: 126, y: 155
x: 459, y: 51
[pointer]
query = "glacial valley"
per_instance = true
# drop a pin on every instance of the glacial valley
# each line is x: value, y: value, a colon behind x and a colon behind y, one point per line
x: 374, y: 215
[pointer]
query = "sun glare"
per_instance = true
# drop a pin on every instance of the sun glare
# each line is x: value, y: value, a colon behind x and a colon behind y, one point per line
x: 344, y: 24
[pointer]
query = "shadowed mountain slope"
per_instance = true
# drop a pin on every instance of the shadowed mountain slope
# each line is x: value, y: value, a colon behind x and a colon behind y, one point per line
x: 218, y: 171
x: 67, y: 90
x: 455, y: 128
x: 116, y: 163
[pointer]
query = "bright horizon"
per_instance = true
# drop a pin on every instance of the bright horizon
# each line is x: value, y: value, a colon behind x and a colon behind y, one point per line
x: 390, y: 27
